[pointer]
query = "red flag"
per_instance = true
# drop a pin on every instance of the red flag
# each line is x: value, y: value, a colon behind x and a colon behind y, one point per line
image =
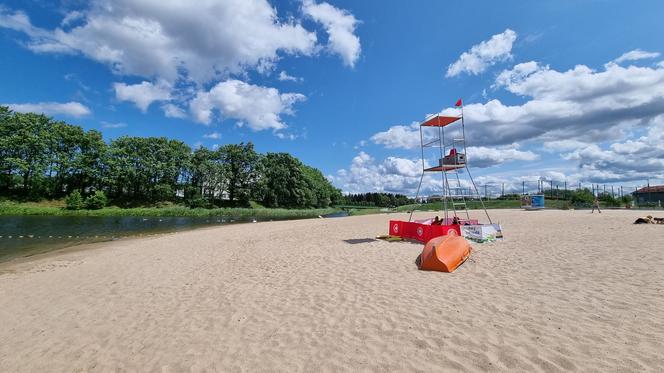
x: 458, y: 103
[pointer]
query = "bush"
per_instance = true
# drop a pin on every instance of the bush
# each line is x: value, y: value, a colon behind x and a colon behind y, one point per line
x: 582, y: 198
x: 74, y: 201
x: 96, y: 201
x: 163, y: 192
x: 198, y: 202
x: 609, y: 200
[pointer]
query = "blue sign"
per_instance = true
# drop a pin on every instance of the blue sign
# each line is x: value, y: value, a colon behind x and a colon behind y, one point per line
x: 537, y: 201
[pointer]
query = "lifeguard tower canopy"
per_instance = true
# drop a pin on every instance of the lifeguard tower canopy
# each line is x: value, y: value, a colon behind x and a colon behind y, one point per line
x: 438, y: 120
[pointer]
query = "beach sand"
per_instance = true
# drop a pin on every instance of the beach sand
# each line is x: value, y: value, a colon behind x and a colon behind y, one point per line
x: 565, y: 291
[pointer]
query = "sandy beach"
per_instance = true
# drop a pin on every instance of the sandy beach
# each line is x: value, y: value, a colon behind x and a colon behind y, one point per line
x: 565, y: 291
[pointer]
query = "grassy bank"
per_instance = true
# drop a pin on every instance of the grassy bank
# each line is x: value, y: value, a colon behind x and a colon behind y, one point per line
x: 438, y: 206
x: 489, y: 204
x: 368, y: 211
x: 53, y: 208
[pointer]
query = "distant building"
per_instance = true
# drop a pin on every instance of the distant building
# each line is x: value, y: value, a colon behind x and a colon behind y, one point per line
x: 651, y: 194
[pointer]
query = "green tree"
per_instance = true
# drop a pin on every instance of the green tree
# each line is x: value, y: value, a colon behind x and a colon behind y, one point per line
x: 89, y: 167
x: 145, y: 169
x: 320, y: 192
x: 627, y: 199
x: 284, y: 183
x: 74, y: 200
x: 608, y: 199
x: 44, y: 158
x: 240, y: 166
x: 6, y: 150
x: 64, y: 150
x: 25, y: 147
x: 583, y: 197
x: 96, y: 201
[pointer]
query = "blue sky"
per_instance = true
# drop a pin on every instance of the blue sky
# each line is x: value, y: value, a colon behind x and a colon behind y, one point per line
x: 339, y: 83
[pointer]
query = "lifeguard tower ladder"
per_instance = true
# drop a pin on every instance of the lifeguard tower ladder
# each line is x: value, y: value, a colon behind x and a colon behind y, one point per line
x: 450, y: 165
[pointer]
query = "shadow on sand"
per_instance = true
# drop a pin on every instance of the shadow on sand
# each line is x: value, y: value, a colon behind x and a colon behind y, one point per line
x: 355, y: 241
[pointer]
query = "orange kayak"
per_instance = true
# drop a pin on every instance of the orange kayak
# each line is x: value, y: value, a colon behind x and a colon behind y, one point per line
x: 444, y: 253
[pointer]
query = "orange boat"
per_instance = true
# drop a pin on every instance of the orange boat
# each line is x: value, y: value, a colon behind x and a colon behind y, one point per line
x: 444, y: 253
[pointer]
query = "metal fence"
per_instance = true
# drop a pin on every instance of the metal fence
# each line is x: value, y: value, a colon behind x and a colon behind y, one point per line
x: 555, y: 189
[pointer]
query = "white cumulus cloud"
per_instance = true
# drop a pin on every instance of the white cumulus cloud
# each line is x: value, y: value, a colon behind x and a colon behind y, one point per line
x: 392, y: 175
x: 593, y: 118
x: 636, y: 55
x: 399, y: 137
x: 173, y: 111
x: 580, y: 104
x: 213, y: 135
x: 142, y: 94
x: 178, y: 47
x: 482, y: 156
x: 71, y: 109
x: 484, y: 54
x: 258, y: 107
x: 169, y: 38
x: 284, y: 77
x: 340, y: 26
x: 631, y: 159
x: 113, y: 125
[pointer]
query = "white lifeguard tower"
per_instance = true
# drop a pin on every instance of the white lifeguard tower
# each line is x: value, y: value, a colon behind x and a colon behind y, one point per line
x: 451, y: 152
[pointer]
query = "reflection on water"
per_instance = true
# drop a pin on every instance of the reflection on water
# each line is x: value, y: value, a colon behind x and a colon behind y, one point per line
x: 22, y: 236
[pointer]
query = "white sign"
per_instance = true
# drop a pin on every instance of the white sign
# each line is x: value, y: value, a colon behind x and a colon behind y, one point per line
x: 482, y: 232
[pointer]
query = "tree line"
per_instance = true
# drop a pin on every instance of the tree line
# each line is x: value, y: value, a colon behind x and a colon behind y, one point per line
x: 377, y: 199
x: 42, y: 158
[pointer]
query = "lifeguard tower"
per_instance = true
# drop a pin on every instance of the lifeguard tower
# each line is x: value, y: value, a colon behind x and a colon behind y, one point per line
x: 444, y: 137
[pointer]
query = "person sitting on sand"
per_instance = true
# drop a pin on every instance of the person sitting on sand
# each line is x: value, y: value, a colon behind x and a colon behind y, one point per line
x: 436, y: 221
x: 456, y: 220
x: 646, y: 220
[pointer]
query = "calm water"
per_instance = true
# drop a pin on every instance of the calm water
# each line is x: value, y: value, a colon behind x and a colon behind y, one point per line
x: 22, y: 236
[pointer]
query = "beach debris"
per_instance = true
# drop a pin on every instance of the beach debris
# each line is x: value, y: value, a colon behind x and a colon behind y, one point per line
x: 389, y: 238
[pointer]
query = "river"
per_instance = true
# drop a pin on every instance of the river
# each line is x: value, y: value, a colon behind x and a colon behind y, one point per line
x: 23, y: 236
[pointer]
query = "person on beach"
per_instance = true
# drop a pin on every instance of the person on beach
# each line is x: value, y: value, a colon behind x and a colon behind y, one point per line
x: 647, y: 220
x: 596, y: 206
x: 436, y: 221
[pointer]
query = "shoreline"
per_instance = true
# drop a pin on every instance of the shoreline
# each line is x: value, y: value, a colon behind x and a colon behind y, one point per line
x: 99, y: 241
x: 84, y: 246
x: 30, y: 209
x: 90, y: 246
